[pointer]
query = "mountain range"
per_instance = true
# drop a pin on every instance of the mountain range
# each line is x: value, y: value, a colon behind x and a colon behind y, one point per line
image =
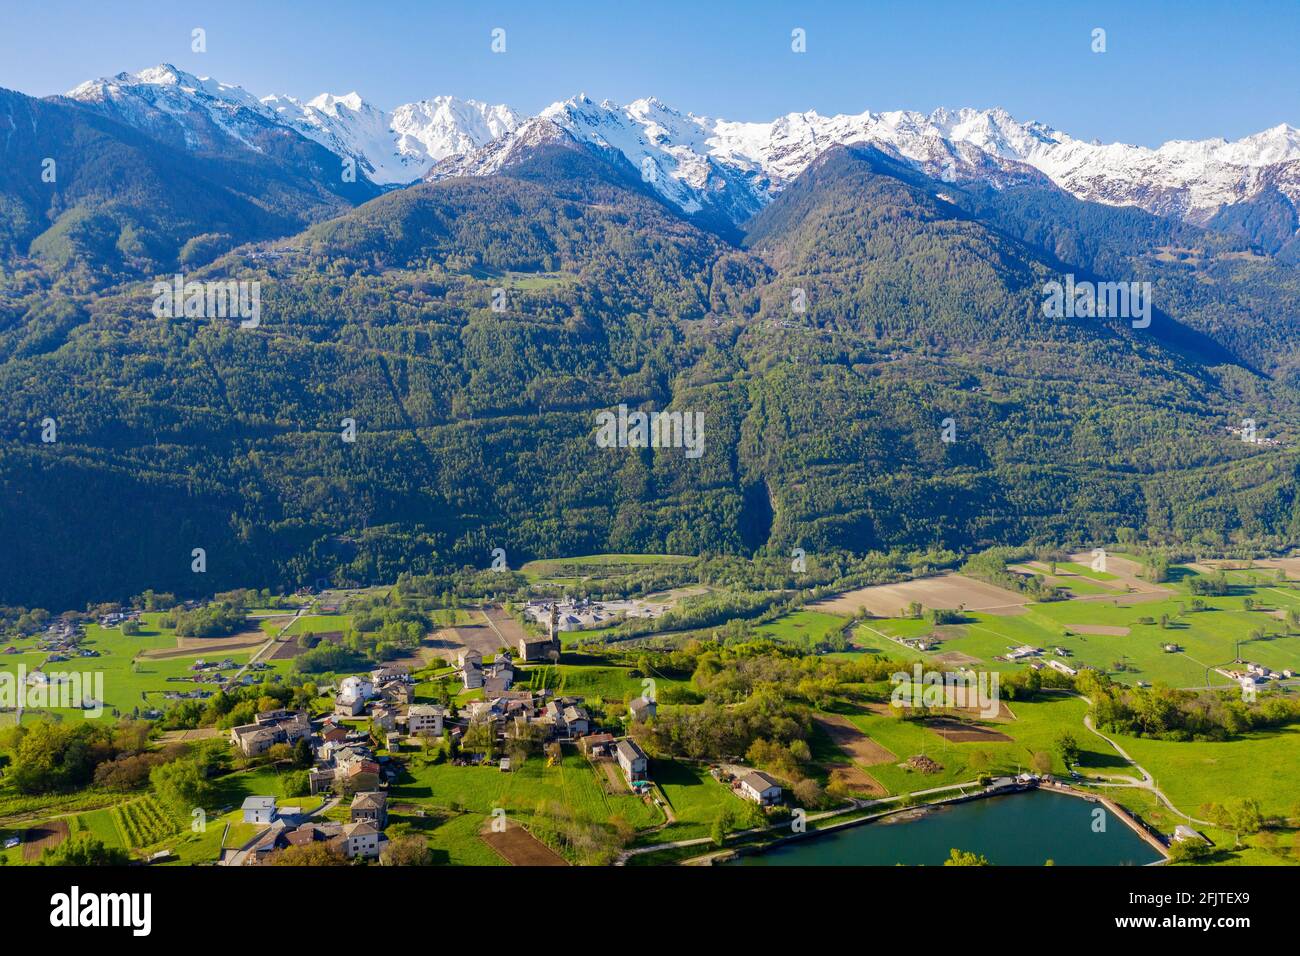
x: 734, y: 168
x: 825, y: 292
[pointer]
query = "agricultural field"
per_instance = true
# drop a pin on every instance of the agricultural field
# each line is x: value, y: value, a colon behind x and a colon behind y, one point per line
x: 1125, y: 640
x: 131, y: 680
x: 528, y: 794
x: 1034, y: 729
x: 804, y: 629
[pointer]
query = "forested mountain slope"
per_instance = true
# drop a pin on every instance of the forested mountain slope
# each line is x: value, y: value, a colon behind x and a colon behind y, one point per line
x: 91, y: 201
x: 476, y: 425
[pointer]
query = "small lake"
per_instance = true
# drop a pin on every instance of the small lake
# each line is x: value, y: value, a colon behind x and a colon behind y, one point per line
x: 1024, y: 829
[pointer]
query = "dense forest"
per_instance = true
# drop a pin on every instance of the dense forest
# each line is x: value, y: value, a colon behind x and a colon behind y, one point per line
x: 871, y: 361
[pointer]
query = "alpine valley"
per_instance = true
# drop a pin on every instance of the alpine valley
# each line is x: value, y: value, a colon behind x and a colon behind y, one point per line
x: 472, y: 287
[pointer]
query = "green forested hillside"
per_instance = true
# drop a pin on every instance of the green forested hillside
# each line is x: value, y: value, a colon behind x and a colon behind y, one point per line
x: 90, y: 201
x: 476, y: 426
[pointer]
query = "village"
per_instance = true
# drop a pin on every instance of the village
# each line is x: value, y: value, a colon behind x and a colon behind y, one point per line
x: 358, y: 749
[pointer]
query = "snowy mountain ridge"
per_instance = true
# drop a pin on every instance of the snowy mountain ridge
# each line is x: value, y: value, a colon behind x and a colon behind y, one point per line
x: 698, y: 162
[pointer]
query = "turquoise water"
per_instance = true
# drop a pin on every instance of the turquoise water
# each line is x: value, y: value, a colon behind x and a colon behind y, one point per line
x: 1024, y: 829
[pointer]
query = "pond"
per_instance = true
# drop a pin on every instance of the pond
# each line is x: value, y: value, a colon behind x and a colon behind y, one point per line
x: 1025, y: 829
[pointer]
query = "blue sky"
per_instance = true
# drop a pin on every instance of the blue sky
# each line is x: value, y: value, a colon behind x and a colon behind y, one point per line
x: 1178, y: 70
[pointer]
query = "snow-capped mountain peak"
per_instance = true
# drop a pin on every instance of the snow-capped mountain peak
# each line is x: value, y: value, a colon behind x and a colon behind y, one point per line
x: 697, y: 162
x: 391, y: 148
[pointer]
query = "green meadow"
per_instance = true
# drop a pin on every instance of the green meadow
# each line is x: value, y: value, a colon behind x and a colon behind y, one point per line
x: 1035, y: 729
x: 129, y: 680
x: 804, y: 629
x: 1208, y: 638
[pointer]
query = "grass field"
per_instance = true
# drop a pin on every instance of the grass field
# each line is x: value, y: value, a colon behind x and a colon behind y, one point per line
x: 1085, y: 571
x: 592, y: 681
x: 695, y: 797
x: 129, y: 681
x: 1035, y: 729
x: 1207, y: 638
x: 577, y: 569
x: 1262, y: 766
x: 803, y: 629
x: 528, y: 794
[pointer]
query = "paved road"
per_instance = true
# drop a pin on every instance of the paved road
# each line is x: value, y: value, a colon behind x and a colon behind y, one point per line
x: 1147, y: 782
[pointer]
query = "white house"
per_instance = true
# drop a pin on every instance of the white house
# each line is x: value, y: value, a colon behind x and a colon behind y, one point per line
x: 632, y: 759
x: 759, y: 787
x: 359, y: 687
x: 361, y: 839
x: 259, y: 809
x: 576, y: 721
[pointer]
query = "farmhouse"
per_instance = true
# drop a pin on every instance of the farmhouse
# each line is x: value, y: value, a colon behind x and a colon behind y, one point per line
x: 370, y: 806
x: 537, y: 648
x: 425, y: 719
x: 397, y: 692
x: 641, y: 709
x: 383, y: 717
x: 759, y: 787
x: 389, y: 672
x: 632, y: 759
x: 320, y: 779
x: 259, y: 809
x: 576, y: 720
x: 348, y: 706
x: 362, y: 839
x: 258, y: 738
x: 1063, y: 667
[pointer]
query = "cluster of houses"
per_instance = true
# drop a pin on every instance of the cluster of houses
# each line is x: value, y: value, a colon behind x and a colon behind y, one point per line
x: 1247, y: 434
x: 343, y: 759
x: 578, y: 614
x: 199, y: 694
x: 118, y: 618
x: 345, y: 763
x: 1027, y: 652
x: 495, y: 678
x: 61, y: 641
x: 362, y: 837
x: 386, y: 687
x: 1253, y: 673
x: 268, y: 729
